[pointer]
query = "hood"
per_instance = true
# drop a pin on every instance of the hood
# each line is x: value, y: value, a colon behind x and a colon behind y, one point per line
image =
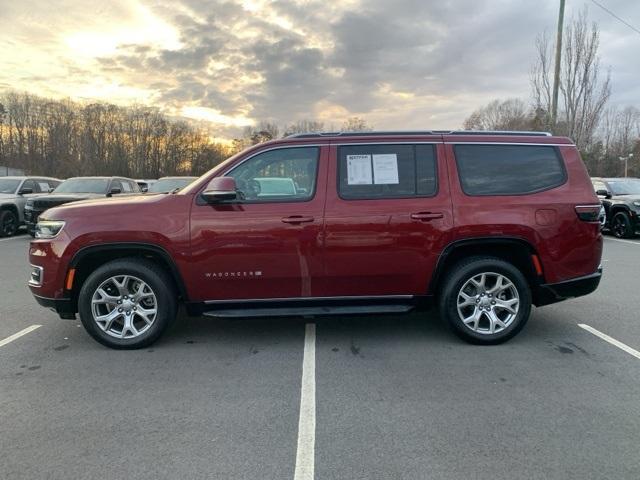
x: 7, y: 196
x: 118, y: 203
x: 626, y: 198
x: 51, y: 200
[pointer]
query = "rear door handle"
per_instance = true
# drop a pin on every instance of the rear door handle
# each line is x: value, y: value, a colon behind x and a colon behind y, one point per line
x: 297, y: 219
x: 427, y: 216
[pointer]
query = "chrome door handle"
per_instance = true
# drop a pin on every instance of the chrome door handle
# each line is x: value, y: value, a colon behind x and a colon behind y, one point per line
x: 297, y: 219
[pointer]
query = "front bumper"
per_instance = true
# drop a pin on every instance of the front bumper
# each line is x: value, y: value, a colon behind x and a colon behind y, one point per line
x: 65, y: 307
x: 549, y: 293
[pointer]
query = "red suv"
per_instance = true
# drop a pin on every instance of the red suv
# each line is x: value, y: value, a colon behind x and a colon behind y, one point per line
x: 485, y: 224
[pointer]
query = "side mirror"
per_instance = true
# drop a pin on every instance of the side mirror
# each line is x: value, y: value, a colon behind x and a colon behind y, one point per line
x: 220, y: 189
x: 603, y: 193
x: 115, y: 191
x: 25, y: 191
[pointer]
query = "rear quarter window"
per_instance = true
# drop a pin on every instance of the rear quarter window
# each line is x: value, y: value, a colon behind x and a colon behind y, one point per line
x: 508, y: 169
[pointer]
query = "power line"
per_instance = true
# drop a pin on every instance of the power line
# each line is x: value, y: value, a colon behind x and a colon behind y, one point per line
x: 616, y: 16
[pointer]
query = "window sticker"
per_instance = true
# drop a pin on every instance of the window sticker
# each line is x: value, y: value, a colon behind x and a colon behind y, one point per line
x: 385, y: 169
x: 359, y: 170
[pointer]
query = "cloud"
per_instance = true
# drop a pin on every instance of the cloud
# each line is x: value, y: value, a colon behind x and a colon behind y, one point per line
x: 400, y: 64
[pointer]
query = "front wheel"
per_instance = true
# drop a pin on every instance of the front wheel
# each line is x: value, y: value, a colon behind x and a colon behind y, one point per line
x: 485, y: 300
x: 127, y: 303
x: 8, y: 223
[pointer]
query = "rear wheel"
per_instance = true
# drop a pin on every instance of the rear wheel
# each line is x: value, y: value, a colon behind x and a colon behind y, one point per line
x: 127, y: 303
x: 8, y: 223
x: 485, y: 300
x: 621, y: 225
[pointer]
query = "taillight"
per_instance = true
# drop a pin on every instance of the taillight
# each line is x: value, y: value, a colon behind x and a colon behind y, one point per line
x: 588, y: 213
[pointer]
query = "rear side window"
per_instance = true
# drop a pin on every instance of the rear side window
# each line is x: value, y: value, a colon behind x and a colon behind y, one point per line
x: 508, y: 169
x: 386, y: 171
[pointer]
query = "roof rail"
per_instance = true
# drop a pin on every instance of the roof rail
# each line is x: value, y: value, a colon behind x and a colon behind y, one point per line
x: 361, y: 134
x: 501, y: 132
x: 420, y: 132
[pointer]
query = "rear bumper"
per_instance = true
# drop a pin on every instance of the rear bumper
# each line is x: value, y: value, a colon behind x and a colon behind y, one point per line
x: 64, y: 307
x: 576, y: 287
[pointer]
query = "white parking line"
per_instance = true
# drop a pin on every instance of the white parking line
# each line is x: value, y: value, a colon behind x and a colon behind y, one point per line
x: 611, y: 340
x: 18, y: 335
x: 623, y: 241
x: 305, y: 455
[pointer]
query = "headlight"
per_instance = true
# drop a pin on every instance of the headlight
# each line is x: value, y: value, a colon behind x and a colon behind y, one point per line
x: 637, y: 204
x: 48, y: 228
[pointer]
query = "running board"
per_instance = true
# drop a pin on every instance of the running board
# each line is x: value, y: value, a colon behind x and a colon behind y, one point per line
x: 303, y: 311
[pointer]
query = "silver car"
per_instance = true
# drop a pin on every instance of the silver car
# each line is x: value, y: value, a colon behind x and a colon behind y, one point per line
x: 14, y: 192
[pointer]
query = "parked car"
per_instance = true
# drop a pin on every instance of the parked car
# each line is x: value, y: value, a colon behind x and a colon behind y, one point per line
x: 169, y: 184
x: 14, y: 192
x: 76, y: 189
x: 620, y: 198
x: 378, y: 223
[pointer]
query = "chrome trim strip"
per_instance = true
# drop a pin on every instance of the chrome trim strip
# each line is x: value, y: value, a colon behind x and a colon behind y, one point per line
x: 383, y: 142
x: 506, y: 142
x: 289, y: 299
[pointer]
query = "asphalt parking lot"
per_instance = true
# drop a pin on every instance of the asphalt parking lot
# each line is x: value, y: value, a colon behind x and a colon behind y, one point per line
x: 391, y: 397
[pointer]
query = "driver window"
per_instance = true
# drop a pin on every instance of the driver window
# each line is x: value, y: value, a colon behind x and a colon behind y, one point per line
x: 283, y: 175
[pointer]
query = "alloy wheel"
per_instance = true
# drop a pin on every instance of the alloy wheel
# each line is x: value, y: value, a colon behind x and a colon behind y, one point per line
x: 488, y: 303
x: 619, y: 227
x: 124, y: 306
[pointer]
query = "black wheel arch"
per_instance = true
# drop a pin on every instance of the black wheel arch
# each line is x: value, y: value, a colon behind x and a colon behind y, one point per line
x: 89, y: 258
x: 514, y: 250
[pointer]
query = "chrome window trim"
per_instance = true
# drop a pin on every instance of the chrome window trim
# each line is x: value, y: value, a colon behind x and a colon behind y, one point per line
x: 383, y: 142
x: 513, y: 143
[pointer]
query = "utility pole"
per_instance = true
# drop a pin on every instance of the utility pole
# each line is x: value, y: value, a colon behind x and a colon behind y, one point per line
x: 556, y: 74
x: 626, y: 163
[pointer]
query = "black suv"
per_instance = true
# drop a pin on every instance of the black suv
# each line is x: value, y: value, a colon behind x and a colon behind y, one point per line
x: 621, y: 200
x: 73, y: 190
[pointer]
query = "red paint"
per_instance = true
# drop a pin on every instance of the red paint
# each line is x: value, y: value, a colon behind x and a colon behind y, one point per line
x: 329, y: 246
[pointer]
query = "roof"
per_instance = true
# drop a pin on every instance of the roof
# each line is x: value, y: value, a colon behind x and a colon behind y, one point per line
x: 99, y: 177
x: 25, y: 177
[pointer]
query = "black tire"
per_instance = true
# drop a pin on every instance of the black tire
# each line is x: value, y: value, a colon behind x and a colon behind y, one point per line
x: 459, y: 275
x: 160, y: 283
x: 621, y: 225
x: 8, y: 223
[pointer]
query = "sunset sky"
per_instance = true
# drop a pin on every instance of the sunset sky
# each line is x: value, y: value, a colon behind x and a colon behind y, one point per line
x: 398, y: 64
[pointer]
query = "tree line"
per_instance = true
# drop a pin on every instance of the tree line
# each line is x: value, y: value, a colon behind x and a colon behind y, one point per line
x: 602, y: 133
x: 63, y: 138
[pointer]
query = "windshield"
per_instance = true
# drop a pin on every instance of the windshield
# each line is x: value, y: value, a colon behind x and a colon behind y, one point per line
x: 83, y: 185
x: 170, y: 184
x: 8, y: 185
x: 625, y: 187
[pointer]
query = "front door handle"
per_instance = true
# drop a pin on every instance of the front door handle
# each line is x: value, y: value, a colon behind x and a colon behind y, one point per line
x: 297, y: 219
x: 427, y: 216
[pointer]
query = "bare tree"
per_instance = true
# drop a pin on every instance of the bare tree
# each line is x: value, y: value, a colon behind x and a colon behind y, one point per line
x: 65, y: 138
x: 509, y: 114
x: 304, y: 126
x: 583, y: 91
x: 355, y: 124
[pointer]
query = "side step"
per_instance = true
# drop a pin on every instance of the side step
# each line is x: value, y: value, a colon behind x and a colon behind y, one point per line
x: 303, y: 311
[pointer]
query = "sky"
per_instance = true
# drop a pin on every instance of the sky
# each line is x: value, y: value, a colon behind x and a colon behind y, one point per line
x: 399, y: 64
